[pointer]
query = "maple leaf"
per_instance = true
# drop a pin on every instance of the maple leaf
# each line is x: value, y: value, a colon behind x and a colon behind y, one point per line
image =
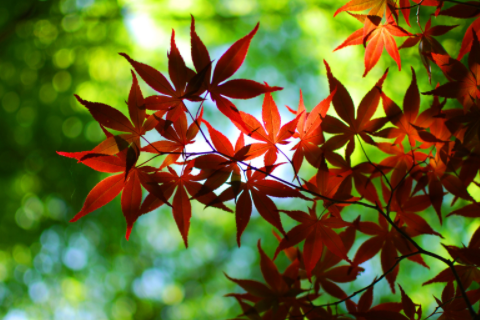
x: 309, y: 131
x: 431, y: 3
x: 316, y: 231
x: 258, y: 188
x: 466, y: 82
x: 399, y: 160
x: 327, y: 273
x: 409, y: 123
x: 470, y: 211
x: 106, y: 190
x: 463, y: 11
x: 468, y: 257
x: 178, y: 136
x: 111, y: 118
x: 378, y: 37
x: 181, y: 206
x: 427, y: 44
x: 277, y: 297
x: 409, y: 308
x: 336, y: 184
x: 217, y: 168
x: 271, y: 135
x: 358, y: 173
x: 465, y: 126
x: 226, y: 66
x: 454, y: 307
x: 377, y: 10
x: 171, y: 100
x: 435, y: 176
x: 364, y: 310
x: 362, y: 125
x: 377, y: 7
x: 388, y: 241
x: 406, y: 206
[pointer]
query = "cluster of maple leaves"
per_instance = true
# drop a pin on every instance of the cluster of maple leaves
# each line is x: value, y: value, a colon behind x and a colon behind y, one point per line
x: 427, y: 154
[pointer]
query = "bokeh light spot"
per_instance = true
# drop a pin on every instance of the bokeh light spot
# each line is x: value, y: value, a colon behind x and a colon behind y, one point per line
x: 21, y: 254
x: 63, y: 58
x: 28, y: 76
x: 75, y: 259
x: 72, y: 127
x: 73, y: 290
x: 172, y: 294
x: 8, y: 70
x: 123, y: 308
x: 93, y: 132
x: 62, y: 81
x: 56, y: 208
x: 16, y: 315
x: 47, y: 93
x: 38, y: 292
x: 71, y: 23
x: 10, y: 102
x: 26, y: 116
x: 45, y: 31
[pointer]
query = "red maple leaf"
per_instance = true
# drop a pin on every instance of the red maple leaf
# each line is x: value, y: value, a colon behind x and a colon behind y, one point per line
x: 364, y: 309
x: 454, y: 307
x: 107, y: 189
x: 331, y: 184
x: 183, y: 183
x: 111, y: 118
x: 217, y: 168
x: 468, y: 257
x: 327, y: 273
x: 378, y: 37
x: 409, y: 123
x: 178, y: 136
x: 388, y: 242
x: 465, y: 83
x: 406, y: 206
x: 316, y: 231
x: 278, y: 297
x: 258, y: 188
x: 427, y: 44
x: 309, y: 131
x: 465, y: 11
x: 226, y: 66
x: 271, y: 135
x: 362, y: 125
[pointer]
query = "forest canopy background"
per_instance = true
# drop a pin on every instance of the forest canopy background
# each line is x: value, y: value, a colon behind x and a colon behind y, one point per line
x: 50, y: 50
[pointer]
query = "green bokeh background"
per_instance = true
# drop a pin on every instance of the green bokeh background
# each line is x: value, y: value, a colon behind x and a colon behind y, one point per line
x: 49, y: 50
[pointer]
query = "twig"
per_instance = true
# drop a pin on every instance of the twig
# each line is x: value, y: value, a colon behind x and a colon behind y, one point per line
x: 411, y: 7
x: 365, y: 288
x: 293, y: 167
x: 449, y: 263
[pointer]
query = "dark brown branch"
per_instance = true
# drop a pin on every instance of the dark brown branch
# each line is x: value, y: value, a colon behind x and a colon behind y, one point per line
x: 365, y: 288
x: 449, y: 263
x: 411, y: 7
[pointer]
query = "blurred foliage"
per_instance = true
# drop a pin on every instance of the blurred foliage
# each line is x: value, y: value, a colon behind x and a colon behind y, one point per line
x: 51, y: 269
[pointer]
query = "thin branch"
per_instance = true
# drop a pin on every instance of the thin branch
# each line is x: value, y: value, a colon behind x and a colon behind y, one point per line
x: 293, y: 167
x: 363, y: 289
x: 398, y: 184
x: 449, y: 263
x: 369, y: 161
x: 411, y: 7
x: 299, y: 188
